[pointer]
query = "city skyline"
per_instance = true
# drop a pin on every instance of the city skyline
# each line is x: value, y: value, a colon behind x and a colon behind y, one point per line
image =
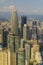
x: 23, y: 6
x: 21, y: 41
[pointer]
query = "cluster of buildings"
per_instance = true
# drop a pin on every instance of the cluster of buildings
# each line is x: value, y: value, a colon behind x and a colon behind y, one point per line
x: 21, y: 43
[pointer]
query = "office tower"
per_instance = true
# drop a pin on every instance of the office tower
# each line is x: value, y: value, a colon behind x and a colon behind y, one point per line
x: 4, y: 37
x: 34, y: 23
x: 17, y: 43
x: 11, y: 41
x: 42, y: 34
x: 23, y: 21
x: 21, y: 56
x: 30, y: 33
x: 11, y: 58
x: 42, y: 55
x: 1, y: 47
x: 1, y: 40
x: 26, y: 32
x: 41, y: 47
x: 27, y: 51
x: 3, y: 58
x: 19, y: 30
x: 7, y: 57
x: 14, y: 22
x: 32, y: 54
x: 34, y: 30
x: 14, y: 29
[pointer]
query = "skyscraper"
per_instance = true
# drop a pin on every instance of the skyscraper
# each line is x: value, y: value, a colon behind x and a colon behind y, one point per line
x: 14, y: 22
x: 23, y: 21
x: 4, y: 37
x: 25, y: 32
x: 34, y: 30
x: 27, y: 51
x: 11, y: 41
x: 21, y: 56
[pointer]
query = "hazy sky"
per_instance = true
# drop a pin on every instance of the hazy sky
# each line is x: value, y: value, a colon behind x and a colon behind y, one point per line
x: 26, y: 6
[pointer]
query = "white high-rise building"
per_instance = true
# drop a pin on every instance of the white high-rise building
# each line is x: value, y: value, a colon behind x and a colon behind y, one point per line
x: 14, y: 22
x: 25, y: 32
